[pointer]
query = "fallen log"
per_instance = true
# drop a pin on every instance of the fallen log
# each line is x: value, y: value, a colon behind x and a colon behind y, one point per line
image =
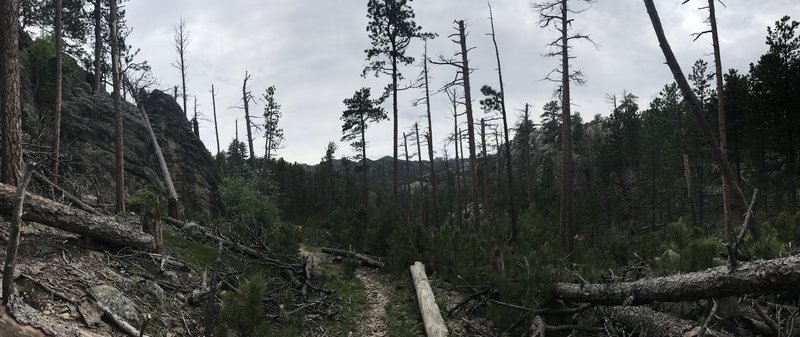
x: 103, y: 229
x: 431, y: 317
x: 199, y: 233
x: 757, y: 277
x: 648, y: 322
x: 21, y: 320
x: 360, y: 257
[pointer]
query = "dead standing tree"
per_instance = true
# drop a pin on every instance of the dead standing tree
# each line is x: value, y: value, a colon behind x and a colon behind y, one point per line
x: 425, y: 79
x: 556, y: 14
x: 462, y: 79
x: 723, y: 138
x: 246, y: 98
x: 59, y: 82
x: 696, y: 108
x: 181, y: 43
x: 214, y: 108
x: 119, y: 168
x: 507, y: 148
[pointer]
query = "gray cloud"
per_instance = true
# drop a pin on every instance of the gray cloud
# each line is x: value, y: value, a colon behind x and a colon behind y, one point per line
x: 313, y: 52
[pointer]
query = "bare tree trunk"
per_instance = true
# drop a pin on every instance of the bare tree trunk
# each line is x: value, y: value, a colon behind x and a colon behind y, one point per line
x: 476, y: 202
x: 98, y: 47
x: 695, y: 106
x: 10, y: 91
x: 421, y: 180
x: 429, y: 310
x: 723, y: 135
x: 567, y: 169
x: 214, y: 107
x: 512, y: 199
x: 429, y: 136
x: 484, y: 161
x: 119, y: 170
x: 59, y: 83
x: 14, y: 235
x: 246, y: 101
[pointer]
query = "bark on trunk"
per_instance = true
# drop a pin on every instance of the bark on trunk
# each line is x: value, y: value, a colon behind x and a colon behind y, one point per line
x: 119, y: 167
x: 763, y: 276
x: 431, y: 316
x: 473, y: 169
x: 360, y: 257
x: 648, y: 322
x: 10, y: 122
x: 59, y: 83
x: 98, y: 47
x: 100, y: 228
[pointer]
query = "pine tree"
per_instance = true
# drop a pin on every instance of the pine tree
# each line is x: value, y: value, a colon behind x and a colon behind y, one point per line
x: 360, y: 111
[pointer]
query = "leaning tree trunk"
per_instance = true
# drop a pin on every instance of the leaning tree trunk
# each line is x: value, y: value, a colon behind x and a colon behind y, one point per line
x: 174, y: 207
x: 214, y: 107
x: 473, y: 169
x: 360, y: 257
x: 695, y: 108
x: 10, y: 122
x: 758, y: 277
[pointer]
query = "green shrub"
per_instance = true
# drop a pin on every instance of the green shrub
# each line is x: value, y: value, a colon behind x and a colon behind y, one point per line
x: 141, y: 201
x: 242, y: 313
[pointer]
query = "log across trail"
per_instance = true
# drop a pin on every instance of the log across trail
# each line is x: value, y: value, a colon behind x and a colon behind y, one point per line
x: 431, y: 316
x: 757, y: 277
x: 649, y: 322
x: 105, y: 229
x: 372, y: 262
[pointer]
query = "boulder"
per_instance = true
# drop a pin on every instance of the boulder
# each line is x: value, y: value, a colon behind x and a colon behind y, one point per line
x: 113, y: 299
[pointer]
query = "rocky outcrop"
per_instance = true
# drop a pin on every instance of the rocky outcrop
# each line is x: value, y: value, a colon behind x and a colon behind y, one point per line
x: 88, y: 150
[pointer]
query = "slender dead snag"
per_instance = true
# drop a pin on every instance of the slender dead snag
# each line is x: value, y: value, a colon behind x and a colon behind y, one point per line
x: 695, y: 108
x: 507, y: 147
x: 246, y: 97
x: 14, y: 235
x: 98, y: 46
x: 429, y: 136
x: 214, y: 108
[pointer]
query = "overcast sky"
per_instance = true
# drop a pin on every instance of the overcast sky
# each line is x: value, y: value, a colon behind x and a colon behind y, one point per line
x: 313, y: 52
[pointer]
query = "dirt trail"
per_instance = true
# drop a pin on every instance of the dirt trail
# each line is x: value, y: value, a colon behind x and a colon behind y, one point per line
x: 374, y: 322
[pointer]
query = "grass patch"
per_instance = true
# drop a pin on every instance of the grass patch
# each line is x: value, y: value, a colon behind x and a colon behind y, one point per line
x: 403, y: 317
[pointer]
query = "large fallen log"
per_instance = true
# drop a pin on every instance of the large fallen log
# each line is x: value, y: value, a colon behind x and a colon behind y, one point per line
x: 103, y: 229
x: 648, y: 322
x: 757, y: 277
x: 431, y: 317
x: 75, y: 200
x: 360, y: 257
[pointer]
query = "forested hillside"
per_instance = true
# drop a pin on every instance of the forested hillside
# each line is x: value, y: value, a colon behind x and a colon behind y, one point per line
x: 129, y: 211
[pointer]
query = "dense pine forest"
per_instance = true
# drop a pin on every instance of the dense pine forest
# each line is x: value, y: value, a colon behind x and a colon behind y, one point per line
x: 127, y: 210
